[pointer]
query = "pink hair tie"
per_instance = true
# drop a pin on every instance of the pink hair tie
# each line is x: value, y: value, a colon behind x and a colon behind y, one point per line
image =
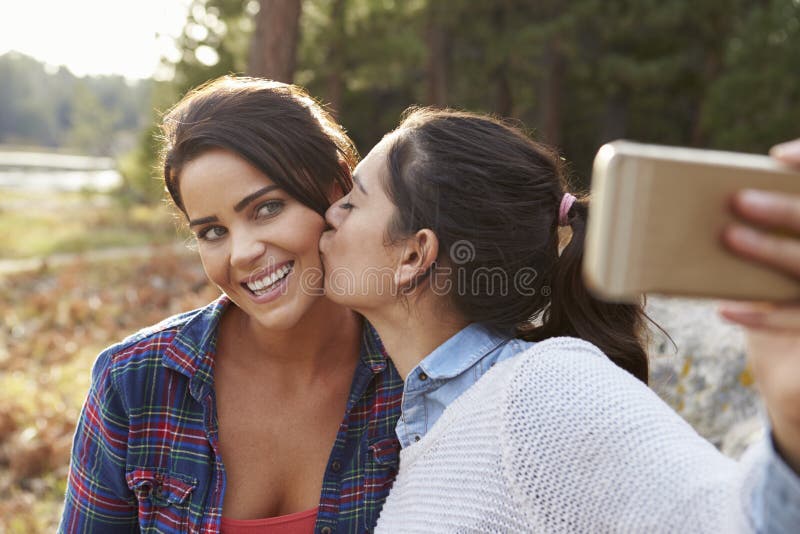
x: 566, y: 203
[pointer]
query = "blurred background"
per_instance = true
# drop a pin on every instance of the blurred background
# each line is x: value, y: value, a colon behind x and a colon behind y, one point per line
x: 89, y: 251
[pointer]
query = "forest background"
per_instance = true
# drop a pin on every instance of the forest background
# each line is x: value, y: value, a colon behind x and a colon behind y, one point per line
x: 708, y: 73
x: 711, y: 73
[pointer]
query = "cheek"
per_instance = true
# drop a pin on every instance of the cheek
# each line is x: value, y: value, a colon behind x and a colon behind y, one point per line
x: 304, y: 237
x: 214, y: 263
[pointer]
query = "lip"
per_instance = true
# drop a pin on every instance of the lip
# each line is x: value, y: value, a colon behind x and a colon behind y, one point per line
x: 277, y: 290
x: 261, y: 273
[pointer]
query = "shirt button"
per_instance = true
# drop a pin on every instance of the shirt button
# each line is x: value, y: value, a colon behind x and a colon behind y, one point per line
x: 422, y: 376
x: 336, y: 466
x: 416, y: 438
x: 325, y: 530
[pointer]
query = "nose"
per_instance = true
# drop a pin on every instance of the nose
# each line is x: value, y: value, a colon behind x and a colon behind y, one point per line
x: 246, y: 249
x: 333, y: 215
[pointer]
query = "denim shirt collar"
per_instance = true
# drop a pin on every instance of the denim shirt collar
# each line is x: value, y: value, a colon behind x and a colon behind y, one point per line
x: 446, y: 373
x: 460, y: 352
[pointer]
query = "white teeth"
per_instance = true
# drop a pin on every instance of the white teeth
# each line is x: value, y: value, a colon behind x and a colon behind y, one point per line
x: 257, y: 286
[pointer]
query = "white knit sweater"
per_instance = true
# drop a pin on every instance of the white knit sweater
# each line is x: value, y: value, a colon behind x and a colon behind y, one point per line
x: 559, y: 439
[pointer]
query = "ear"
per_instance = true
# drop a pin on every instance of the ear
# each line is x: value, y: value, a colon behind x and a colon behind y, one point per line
x: 419, y: 252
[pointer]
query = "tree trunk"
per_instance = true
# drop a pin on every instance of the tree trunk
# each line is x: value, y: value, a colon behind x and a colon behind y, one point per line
x: 550, y: 106
x: 437, y: 39
x: 336, y: 57
x: 273, y: 48
x: 502, y: 99
x: 712, y: 67
x: 615, y: 119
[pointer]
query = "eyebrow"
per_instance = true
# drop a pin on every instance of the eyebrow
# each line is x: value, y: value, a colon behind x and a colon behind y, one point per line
x: 359, y: 184
x: 203, y: 220
x: 242, y: 204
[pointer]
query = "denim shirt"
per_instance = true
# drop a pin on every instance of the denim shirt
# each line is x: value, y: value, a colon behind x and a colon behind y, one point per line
x: 446, y: 373
x: 462, y: 360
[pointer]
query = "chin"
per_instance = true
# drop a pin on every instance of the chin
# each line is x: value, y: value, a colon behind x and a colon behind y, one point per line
x: 282, y: 313
x: 283, y: 318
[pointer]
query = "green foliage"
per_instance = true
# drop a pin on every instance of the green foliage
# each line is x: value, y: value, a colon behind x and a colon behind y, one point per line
x: 34, y: 106
x: 141, y: 178
x: 94, y: 115
x: 755, y: 102
x: 214, y: 42
x: 715, y: 73
x: 92, y: 124
x: 139, y: 168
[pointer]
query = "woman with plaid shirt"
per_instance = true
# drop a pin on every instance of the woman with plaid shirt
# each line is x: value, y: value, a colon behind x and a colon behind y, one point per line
x: 271, y: 408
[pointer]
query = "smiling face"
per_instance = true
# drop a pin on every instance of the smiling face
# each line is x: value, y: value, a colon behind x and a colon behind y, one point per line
x: 257, y: 244
x: 360, y: 265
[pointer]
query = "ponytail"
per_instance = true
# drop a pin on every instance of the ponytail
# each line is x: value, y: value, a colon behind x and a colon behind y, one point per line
x: 615, y: 329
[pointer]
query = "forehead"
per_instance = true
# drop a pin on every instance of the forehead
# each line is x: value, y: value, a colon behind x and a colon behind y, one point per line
x: 218, y: 161
x: 373, y: 168
x: 217, y: 176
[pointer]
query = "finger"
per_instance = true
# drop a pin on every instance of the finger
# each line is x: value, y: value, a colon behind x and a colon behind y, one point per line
x: 781, y: 253
x: 788, y: 152
x: 773, y: 358
x: 772, y: 210
x: 763, y: 315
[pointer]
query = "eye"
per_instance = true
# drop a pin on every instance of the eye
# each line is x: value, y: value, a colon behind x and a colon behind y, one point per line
x: 268, y: 209
x: 212, y: 233
x: 346, y: 204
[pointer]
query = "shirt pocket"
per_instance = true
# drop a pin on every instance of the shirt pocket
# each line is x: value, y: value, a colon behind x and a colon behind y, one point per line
x: 383, y: 457
x: 163, y: 498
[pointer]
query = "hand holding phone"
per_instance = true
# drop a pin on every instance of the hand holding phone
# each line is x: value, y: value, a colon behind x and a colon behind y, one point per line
x: 656, y: 219
x: 773, y: 211
x: 773, y: 330
x: 714, y: 224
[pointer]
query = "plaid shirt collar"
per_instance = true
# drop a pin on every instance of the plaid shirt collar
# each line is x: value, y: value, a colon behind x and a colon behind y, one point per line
x: 191, y: 352
x: 195, y: 359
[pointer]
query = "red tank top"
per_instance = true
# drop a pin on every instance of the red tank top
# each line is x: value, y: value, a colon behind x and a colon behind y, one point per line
x: 297, y: 523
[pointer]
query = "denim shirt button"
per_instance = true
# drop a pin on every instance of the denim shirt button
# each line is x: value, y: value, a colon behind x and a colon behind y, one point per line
x: 422, y: 376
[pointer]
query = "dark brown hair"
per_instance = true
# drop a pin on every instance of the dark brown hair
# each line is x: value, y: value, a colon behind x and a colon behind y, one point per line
x: 276, y: 127
x: 492, y: 195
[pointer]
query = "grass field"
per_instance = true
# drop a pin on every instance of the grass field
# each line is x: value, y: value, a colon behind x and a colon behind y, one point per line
x: 53, y: 323
x: 39, y: 224
x: 53, y: 326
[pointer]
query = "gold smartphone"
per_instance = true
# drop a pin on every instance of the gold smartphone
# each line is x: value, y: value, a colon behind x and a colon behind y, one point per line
x: 655, y: 219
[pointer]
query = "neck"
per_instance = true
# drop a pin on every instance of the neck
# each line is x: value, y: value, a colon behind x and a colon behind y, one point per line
x: 326, y: 335
x: 409, y: 336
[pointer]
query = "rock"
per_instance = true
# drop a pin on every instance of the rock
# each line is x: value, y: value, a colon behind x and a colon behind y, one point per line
x: 705, y: 379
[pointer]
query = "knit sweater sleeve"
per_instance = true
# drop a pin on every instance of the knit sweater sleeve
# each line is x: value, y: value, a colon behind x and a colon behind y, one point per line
x: 586, y: 447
